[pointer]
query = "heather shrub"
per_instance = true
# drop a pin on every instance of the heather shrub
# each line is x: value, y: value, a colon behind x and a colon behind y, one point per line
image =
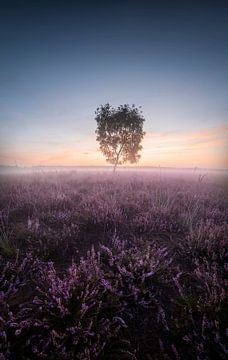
x: 83, y: 311
x: 100, y: 267
x: 18, y: 280
x: 206, y: 240
x: 199, y: 320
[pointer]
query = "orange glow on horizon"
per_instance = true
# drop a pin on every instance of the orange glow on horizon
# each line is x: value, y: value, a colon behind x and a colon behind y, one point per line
x: 205, y: 148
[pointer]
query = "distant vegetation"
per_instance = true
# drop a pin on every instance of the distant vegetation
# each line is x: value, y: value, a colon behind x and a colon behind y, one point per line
x: 94, y: 267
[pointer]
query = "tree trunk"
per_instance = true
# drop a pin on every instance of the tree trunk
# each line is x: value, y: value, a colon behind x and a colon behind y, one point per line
x: 114, y: 168
x: 117, y: 158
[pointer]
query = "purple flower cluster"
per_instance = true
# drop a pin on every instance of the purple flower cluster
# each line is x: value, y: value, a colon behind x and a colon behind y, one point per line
x: 78, y: 313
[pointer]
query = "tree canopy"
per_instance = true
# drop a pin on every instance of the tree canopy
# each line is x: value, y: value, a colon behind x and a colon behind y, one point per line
x: 119, y: 133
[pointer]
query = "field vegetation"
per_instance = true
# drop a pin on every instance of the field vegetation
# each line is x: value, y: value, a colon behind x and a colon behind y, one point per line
x: 96, y: 266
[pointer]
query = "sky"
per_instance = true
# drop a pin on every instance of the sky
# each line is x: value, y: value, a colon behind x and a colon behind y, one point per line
x: 59, y: 60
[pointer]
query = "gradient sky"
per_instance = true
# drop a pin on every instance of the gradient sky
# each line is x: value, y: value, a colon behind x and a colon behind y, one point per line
x: 59, y: 60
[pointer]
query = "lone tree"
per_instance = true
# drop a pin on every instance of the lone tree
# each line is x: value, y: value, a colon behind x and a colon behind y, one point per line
x: 120, y: 132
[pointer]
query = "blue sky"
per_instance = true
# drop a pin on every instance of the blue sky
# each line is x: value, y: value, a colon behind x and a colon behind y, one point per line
x: 60, y: 61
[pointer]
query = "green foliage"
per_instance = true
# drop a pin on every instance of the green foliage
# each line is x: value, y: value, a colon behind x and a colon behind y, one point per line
x: 6, y: 246
x: 120, y: 132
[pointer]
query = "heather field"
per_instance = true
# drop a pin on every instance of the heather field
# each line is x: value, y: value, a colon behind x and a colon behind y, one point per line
x: 101, y: 266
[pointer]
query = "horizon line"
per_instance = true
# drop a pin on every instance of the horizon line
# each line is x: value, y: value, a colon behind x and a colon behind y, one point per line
x: 110, y: 166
